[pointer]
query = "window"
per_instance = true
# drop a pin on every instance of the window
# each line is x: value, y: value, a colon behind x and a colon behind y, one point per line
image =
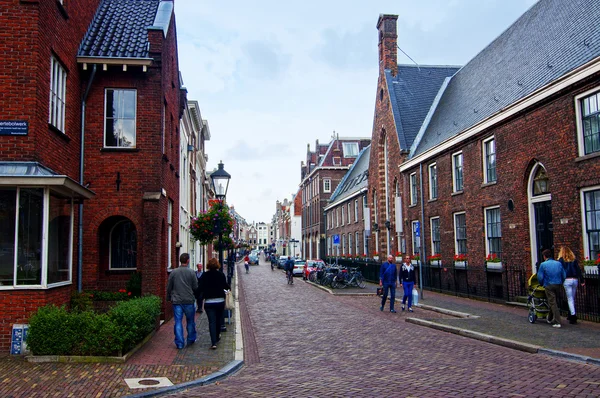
x: 329, y: 245
x: 416, y: 239
x: 436, y: 244
x: 433, y: 186
x: 591, y: 203
x: 356, y: 211
x: 337, y: 217
x: 493, y: 232
x: 588, y: 115
x: 123, y: 246
x: 58, y: 94
x: 413, y: 189
x: 326, y: 185
x: 349, y: 213
x: 343, y: 244
x: 350, y: 149
x: 489, y: 160
x: 119, y: 124
x: 350, y: 244
x: 343, y: 216
x: 357, y: 243
x: 169, y: 234
x: 460, y: 233
x: 457, y: 172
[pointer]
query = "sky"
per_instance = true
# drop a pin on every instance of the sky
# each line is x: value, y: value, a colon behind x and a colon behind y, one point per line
x: 272, y: 77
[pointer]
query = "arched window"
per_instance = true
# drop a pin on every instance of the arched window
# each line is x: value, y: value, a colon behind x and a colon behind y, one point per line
x: 123, y: 245
x: 541, y: 184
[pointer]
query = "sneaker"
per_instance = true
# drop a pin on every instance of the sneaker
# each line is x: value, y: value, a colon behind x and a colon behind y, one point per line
x: 381, y: 308
x: 556, y: 325
x: 214, y: 347
x: 410, y: 310
x: 393, y: 311
x: 402, y: 307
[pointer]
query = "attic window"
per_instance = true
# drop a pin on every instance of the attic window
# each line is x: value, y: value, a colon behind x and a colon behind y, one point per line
x: 350, y: 149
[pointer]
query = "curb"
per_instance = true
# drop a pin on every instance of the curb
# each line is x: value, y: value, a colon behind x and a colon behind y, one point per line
x: 448, y: 312
x: 569, y: 356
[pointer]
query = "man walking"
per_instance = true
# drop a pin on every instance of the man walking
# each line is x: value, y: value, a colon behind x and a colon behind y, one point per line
x: 551, y: 275
x: 388, y: 279
x: 180, y: 292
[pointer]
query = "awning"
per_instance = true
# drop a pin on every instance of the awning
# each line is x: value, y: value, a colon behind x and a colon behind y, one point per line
x: 34, y: 174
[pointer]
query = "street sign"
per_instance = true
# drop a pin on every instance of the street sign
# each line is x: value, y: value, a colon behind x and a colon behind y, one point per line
x: 336, y: 240
x: 417, y: 229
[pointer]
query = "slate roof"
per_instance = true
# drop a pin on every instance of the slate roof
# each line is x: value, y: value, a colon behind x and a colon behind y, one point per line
x: 120, y: 29
x: 551, y: 39
x: 355, y: 179
x: 412, y: 92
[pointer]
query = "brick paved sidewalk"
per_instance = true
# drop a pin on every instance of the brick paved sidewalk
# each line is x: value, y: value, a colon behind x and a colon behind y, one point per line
x: 501, y: 320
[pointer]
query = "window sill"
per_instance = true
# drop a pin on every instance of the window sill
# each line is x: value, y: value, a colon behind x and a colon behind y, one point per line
x: 120, y: 271
x: 59, y: 133
x: 487, y: 184
x: 587, y: 157
x: 119, y: 150
x: 457, y: 193
x: 412, y: 205
x: 432, y: 200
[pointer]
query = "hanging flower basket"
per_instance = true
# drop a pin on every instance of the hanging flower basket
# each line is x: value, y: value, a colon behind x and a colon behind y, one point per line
x: 205, y: 227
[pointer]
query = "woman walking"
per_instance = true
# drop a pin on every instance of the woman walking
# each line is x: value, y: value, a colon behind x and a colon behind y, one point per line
x: 212, y: 285
x: 407, y: 277
x: 574, y: 276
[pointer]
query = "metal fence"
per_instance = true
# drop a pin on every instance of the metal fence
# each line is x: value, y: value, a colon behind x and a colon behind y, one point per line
x: 506, y: 284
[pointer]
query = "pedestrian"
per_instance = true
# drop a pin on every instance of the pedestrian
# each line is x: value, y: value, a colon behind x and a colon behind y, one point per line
x: 407, y: 277
x: 180, y: 292
x: 198, y: 294
x: 388, y: 279
x: 551, y: 275
x: 212, y: 286
x: 574, y: 276
x: 247, y: 264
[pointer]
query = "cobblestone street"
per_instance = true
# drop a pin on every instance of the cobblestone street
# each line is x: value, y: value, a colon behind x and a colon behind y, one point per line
x: 310, y: 343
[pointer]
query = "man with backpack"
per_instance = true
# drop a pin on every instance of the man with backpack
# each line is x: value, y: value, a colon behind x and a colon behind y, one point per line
x: 289, y: 269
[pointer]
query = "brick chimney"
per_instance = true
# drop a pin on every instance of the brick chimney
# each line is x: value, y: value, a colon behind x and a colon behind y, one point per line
x: 388, y: 42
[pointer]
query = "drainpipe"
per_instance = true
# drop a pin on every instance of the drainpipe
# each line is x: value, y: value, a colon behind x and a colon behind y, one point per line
x: 81, y: 159
x: 423, y: 249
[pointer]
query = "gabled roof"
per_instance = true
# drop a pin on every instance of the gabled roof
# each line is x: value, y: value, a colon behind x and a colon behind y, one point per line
x: 120, y: 28
x: 355, y: 179
x: 412, y: 92
x: 551, y: 39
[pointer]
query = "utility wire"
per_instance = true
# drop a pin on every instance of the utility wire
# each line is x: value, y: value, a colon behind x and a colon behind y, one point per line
x: 415, y: 62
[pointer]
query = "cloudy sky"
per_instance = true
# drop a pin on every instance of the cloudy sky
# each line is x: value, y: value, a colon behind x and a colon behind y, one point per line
x: 272, y: 76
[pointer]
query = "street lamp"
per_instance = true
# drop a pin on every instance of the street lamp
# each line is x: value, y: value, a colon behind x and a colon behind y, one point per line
x: 294, y: 241
x: 220, y: 182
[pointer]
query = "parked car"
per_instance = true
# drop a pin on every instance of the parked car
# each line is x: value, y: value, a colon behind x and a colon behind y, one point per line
x: 299, y: 267
x: 253, y: 259
x: 281, y: 261
x: 312, y: 265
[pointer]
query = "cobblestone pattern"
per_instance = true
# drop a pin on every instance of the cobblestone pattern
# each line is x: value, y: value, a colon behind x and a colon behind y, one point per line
x: 312, y: 343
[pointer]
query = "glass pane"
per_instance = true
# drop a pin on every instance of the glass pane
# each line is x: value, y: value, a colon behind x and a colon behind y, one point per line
x: 123, y: 246
x: 111, y: 134
x: 8, y: 209
x: 29, y: 250
x: 59, y: 240
x: 593, y: 104
x: 110, y: 104
x: 127, y: 133
x: 127, y: 104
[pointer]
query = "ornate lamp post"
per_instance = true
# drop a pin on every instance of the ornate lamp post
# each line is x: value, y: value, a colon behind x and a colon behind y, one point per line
x: 220, y: 182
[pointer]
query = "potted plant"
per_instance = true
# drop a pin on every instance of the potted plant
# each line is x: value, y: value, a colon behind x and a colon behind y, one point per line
x: 435, y: 260
x: 493, y: 262
x: 460, y: 261
x: 591, y: 266
x: 376, y: 256
x: 415, y: 258
x: 398, y: 257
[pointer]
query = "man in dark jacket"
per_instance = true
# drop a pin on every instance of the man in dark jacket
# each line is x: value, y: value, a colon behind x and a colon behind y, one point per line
x: 388, y: 279
x: 180, y: 292
x: 289, y: 267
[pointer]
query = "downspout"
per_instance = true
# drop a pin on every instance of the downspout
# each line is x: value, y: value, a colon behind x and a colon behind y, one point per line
x: 423, y: 250
x: 81, y: 159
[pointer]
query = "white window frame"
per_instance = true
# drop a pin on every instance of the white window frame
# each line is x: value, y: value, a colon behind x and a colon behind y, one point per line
x: 586, y: 242
x: 579, y: 119
x: 343, y: 216
x: 169, y: 234
x: 431, y: 241
x: 326, y: 185
x: 134, y: 144
x: 350, y: 243
x: 337, y: 217
x: 355, y: 211
x: 433, y: 184
x: 455, y: 187
x: 58, y: 95
x: 485, y: 154
x: 349, y: 213
x: 485, y: 227
x: 456, y: 230
x: 343, y: 244
x: 357, y: 243
x: 413, y: 189
x: 350, y: 149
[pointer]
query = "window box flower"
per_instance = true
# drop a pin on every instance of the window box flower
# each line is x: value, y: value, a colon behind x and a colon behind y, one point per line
x: 493, y: 262
x: 376, y: 256
x: 460, y: 261
x: 435, y: 260
x: 398, y: 257
x: 415, y: 258
x: 591, y: 266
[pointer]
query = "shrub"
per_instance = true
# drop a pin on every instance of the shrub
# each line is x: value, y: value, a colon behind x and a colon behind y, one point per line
x: 81, y: 302
x: 55, y: 331
x: 134, y: 285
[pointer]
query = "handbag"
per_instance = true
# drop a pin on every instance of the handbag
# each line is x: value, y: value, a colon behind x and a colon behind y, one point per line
x: 380, y: 291
x: 229, y: 304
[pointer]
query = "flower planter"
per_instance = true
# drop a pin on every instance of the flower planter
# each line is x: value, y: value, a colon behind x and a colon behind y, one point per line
x: 460, y: 264
x: 436, y: 263
x: 414, y: 262
x: 591, y: 269
x: 494, y: 266
x: 376, y: 258
x: 398, y: 260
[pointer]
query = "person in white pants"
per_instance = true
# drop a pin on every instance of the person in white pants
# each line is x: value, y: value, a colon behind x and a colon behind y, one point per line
x: 574, y: 276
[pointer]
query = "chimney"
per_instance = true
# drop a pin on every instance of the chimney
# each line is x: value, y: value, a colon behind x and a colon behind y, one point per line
x: 388, y: 42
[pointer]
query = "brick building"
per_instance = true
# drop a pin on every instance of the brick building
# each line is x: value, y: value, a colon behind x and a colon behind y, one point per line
x: 345, y: 213
x: 506, y: 161
x: 105, y: 71
x: 320, y: 176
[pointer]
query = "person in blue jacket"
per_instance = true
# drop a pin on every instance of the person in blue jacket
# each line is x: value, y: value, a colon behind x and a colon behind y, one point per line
x: 388, y: 279
x: 407, y: 277
x: 551, y: 275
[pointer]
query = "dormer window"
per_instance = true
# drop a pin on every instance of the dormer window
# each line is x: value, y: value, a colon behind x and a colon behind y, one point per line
x: 350, y: 149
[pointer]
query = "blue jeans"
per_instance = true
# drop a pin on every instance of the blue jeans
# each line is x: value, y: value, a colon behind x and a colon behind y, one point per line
x: 214, y: 313
x: 408, y: 288
x: 190, y: 313
x: 392, y: 288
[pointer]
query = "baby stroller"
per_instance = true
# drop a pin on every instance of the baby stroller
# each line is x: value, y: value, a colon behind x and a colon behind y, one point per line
x: 536, y: 301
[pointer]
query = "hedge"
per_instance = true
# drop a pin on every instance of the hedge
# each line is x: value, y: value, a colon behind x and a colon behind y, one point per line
x: 56, y: 331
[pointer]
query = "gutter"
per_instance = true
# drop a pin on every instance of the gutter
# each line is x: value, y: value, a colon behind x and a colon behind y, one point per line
x: 81, y: 168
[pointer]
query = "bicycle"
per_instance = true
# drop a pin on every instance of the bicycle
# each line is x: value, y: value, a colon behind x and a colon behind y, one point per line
x: 290, y: 277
